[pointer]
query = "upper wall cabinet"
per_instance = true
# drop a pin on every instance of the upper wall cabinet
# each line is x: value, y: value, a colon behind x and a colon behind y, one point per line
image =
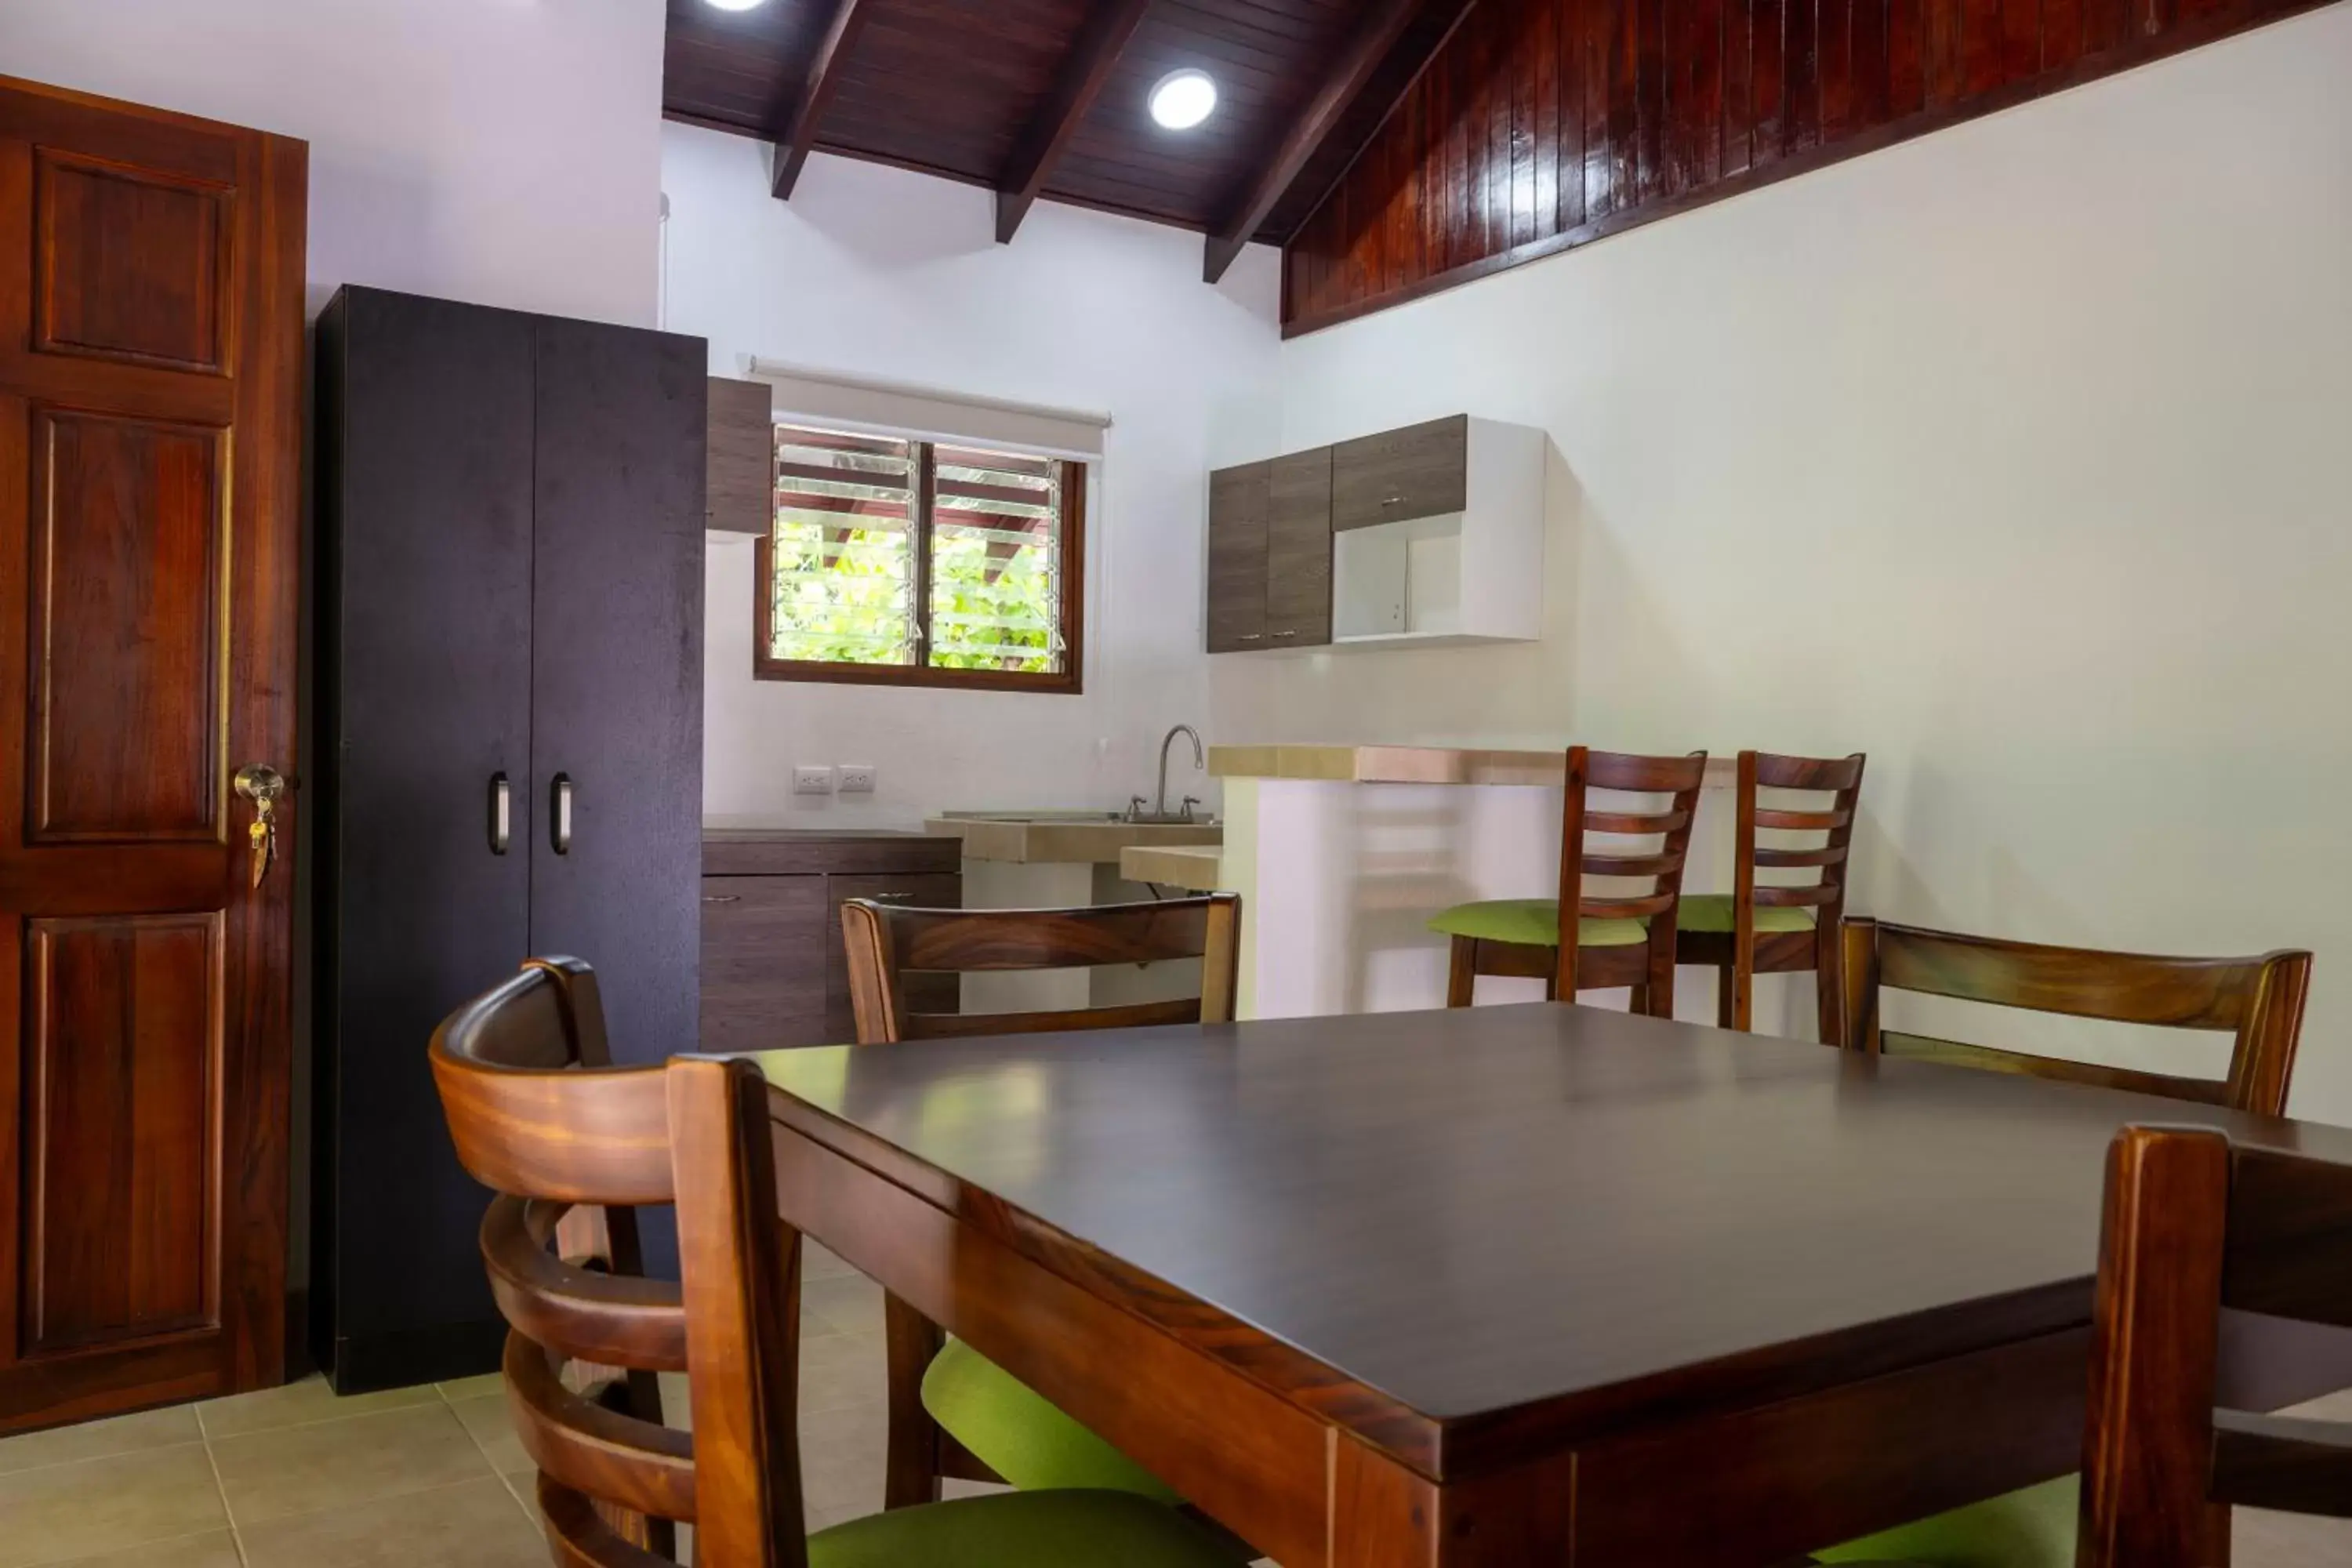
x: 1428, y: 535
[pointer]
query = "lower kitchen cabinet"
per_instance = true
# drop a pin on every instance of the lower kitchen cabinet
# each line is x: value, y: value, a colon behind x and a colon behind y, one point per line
x: 773, y: 971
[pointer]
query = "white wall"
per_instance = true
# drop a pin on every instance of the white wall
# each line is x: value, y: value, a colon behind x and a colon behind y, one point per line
x: 880, y: 272
x: 504, y: 152
x: 2014, y: 457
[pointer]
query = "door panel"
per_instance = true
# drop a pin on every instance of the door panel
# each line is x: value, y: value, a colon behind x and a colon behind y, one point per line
x: 125, y: 602
x: 150, y: 335
x: 119, y: 1206
x: 1238, y: 501
x: 1298, y: 551
x: 133, y: 263
x: 424, y: 435
x: 617, y: 670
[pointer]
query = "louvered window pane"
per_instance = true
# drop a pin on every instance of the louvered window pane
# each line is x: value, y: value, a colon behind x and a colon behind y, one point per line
x: 996, y: 556
x: 844, y: 549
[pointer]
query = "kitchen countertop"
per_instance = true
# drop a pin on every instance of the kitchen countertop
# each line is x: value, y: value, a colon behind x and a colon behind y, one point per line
x: 1196, y: 869
x: 1413, y: 764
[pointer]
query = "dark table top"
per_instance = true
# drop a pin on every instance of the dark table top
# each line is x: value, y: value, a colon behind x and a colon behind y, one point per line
x: 1472, y: 1211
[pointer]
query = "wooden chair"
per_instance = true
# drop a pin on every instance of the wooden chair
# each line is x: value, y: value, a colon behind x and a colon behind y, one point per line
x: 1616, y: 939
x: 2193, y: 1226
x: 2259, y: 1001
x: 1766, y: 930
x: 548, y: 1136
x: 953, y: 1413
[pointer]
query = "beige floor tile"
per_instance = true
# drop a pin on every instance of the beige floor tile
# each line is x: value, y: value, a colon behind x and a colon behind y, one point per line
x: 299, y: 1402
x: 816, y: 1263
x: 492, y: 1426
x: 2259, y: 1539
x: 341, y: 1464
x: 96, y: 1439
x: 849, y: 1302
x: 213, y: 1549
x: 475, y: 1525
x: 472, y: 1387
x: 64, y: 1512
x: 843, y: 1370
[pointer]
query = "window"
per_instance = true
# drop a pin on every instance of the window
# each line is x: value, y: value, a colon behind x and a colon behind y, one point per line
x: 922, y: 564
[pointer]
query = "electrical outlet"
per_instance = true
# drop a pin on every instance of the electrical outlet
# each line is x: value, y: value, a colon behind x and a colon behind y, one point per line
x: 857, y: 778
x: 812, y: 781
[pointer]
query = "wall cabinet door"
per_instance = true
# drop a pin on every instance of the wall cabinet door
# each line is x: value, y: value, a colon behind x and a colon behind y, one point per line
x: 1239, y: 504
x: 764, y: 941
x: 1422, y: 470
x: 616, y: 672
x: 1298, y: 551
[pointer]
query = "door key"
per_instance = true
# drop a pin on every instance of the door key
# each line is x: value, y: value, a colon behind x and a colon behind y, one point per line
x: 262, y: 784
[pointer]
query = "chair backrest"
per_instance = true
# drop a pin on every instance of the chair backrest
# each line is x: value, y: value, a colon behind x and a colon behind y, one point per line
x: 886, y: 942
x: 1679, y: 777
x: 1838, y: 777
x: 2257, y: 1000
x: 537, y: 1120
x: 2194, y: 1224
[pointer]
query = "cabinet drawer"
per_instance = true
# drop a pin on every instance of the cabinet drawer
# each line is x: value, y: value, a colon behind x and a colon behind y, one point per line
x: 925, y: 992
x: 1239, y: 501
x: 763, y: 963
x: 1422, y: 470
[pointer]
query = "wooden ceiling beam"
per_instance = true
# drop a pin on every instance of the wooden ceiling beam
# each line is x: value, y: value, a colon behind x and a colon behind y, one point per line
x: 1084, y: 70
x: 793, y: 146
x: 1383, y: 23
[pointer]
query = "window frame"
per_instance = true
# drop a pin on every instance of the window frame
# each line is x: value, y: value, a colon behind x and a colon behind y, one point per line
x: 1070, y: 681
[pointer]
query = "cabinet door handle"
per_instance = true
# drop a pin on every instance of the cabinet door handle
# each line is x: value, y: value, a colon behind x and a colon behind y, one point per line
x: 558, y: 819
x: 501, y: 814
x: 1288, y: 634
x: 722, y: 898
x: 888, y: 897
x: 1250, y: 637
x: 1392, y: 500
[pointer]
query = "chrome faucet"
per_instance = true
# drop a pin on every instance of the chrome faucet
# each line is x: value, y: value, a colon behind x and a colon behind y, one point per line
x: 1159, y: 813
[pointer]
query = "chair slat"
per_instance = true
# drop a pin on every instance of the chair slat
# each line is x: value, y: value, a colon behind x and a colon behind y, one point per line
x: 2134, y: 989
x: 1824, y: 774
x: 1633, y: 774
x: 965, y: 1025
x: 1991, y: 1058
x: 581, y: 1537
x: 1632, y: 865
x: 1801, y: 821
x: 618, y: 1459
x: 612, y: 1320
x: 1636, y: 823
x: 2283, y: 1462
x: 974, y: 941
x: 1791, y: 859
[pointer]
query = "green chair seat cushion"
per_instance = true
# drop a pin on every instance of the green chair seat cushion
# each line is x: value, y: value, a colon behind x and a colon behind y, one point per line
x: 1533, y: 922
x: 1021, y: 1530
x: 1712, y: 912
x: 2029, y: 1529
x: 1022, y: 1435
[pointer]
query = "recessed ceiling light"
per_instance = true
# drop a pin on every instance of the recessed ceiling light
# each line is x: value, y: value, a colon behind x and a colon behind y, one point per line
x: 1182, y: 99
x: 734, y: 5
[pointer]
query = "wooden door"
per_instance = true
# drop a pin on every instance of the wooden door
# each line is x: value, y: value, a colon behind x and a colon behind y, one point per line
x: 151, y: 341
x: 423, y: 451
x: 1298, y: 551
x: 1238, y: 500
x: 616, y: 672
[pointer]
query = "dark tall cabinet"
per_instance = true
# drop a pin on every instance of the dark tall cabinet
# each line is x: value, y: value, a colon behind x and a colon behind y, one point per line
x: 509, y: 706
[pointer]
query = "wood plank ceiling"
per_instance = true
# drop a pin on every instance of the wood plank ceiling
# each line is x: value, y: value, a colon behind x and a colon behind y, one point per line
x: 1048, y: 97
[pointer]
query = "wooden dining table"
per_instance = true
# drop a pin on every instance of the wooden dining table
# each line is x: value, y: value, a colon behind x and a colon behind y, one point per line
x: 1511, y: 1285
